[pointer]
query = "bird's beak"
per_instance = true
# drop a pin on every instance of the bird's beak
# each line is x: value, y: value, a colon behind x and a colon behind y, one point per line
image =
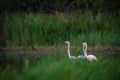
x: 65, y: 42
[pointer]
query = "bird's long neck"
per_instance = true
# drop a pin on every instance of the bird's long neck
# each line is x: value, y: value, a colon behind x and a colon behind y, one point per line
x: 85, y: 50
x: 69, y: 50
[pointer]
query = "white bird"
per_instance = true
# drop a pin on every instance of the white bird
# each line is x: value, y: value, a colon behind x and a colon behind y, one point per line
x: 89, y: 57
x: 69, y: 55
x: 81, y: 57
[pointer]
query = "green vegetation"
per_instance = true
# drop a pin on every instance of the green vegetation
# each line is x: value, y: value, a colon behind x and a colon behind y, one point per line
x: 32, y: 24
x: 61, y: 68
x: 47, y: 29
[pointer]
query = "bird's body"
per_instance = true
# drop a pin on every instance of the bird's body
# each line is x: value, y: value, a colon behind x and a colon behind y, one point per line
x: 69, y: 55
x: 89, y: 57
x: 72, y: 57
x: 81, y: 57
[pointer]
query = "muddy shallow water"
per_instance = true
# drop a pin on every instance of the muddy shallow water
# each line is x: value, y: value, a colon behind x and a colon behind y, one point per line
x: 59, y: 49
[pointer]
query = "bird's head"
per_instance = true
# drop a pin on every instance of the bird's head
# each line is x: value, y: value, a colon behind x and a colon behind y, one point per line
x: 84, y: 43
x: 66, y: 42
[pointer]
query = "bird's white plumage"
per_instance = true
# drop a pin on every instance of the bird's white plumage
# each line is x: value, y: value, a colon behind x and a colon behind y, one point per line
x: 69, y: 55
x: 81, y: 57
x: 89, y: 57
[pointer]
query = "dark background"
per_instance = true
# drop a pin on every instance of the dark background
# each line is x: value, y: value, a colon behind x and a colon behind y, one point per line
x: 50, y: 6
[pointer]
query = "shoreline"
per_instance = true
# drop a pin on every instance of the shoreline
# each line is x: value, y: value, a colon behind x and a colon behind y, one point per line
x: 56, y: 49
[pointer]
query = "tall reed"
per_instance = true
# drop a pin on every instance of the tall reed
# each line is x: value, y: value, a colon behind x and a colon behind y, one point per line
x: 29, y: 29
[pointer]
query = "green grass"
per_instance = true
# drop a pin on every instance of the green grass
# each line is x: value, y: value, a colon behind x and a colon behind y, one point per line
x: 52, y: 67
x: 27, y: 29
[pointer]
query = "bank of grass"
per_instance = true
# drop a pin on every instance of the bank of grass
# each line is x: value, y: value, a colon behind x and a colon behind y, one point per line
x: 27, y: 29
x: 60, y: 67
